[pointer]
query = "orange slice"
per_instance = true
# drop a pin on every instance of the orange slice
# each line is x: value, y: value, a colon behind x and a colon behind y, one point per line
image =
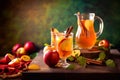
x: 65, y: 44
x: 33, y: 67
x: 25, y: 58
x: 88, y: 24
x: 65, y: 48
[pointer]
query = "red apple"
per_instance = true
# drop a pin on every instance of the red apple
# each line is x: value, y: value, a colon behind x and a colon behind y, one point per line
x: 15, y: 47
x: 14, y: 62
x: 3, y: 61
x: 2, y: 68
x: 21, y: 51
x: 51, y: 58
x: 104, y: 43
x: 29, y: 47
x: 48, y: 47
x: 9, y: 57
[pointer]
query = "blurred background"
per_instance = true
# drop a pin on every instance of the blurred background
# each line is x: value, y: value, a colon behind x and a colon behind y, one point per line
x: 31, y: 20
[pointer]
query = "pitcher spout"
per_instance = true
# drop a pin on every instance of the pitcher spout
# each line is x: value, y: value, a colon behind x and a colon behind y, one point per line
x: 77, y: 14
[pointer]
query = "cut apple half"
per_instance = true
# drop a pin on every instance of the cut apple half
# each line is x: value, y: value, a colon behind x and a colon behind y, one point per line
x: 25, y: 58
x: 9, y: 57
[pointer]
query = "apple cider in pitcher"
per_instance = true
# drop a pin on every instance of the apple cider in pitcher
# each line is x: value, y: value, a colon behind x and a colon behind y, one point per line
x: 86, y: 35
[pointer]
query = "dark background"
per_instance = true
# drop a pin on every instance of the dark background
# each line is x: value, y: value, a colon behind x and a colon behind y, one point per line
x: 31, y: 20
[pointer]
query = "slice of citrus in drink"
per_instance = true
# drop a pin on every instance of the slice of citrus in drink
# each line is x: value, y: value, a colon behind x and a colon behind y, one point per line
x: 88, y: 24
x: 75, y: 53
x: 65, y: 48
x: 65, y: 44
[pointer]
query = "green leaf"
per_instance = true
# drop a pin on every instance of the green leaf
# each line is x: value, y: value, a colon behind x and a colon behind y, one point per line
x: 33, y: 55
x: 102, y: 56
x: 71, y: 58
x: 46, y: 44
x: 71, y: 67
x: 82, y: 61
x: 110, y: 63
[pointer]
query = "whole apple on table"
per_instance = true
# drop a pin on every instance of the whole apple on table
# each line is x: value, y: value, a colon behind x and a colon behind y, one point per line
x: 50, y: 56
x: 28, y: 47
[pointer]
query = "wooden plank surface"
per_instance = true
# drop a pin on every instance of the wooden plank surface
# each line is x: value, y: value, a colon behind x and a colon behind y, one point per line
x: 89, y: 69
x: 91, y: 72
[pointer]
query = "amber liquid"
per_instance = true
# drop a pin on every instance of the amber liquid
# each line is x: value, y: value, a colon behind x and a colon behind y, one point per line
x: 85, y: 35
x: 64, y: 46
x: 53, y: 42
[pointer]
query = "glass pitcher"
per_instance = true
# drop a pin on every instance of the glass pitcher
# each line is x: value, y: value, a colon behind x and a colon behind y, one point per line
x: 86, y: 35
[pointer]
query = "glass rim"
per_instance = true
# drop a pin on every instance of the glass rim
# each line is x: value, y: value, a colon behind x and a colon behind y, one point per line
x: 63, y: 34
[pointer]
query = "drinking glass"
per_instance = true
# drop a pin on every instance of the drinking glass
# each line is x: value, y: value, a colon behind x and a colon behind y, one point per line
x: 64, y: 47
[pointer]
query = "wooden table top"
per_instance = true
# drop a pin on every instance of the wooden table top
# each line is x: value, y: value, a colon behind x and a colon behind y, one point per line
x: 89, y: 71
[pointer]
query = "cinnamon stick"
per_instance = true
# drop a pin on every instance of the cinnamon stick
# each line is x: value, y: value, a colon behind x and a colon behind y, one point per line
x: 93, y: 61
x: 52, y: 29
x: 69, y: 31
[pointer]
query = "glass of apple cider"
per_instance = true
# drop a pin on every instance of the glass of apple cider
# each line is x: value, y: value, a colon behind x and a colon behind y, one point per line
x: 54, y: 31
x: 64, y: 47
x: 86, y: 35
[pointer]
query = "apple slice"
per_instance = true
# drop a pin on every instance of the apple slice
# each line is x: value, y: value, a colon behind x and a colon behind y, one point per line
x: 14, y: 62
x: 25, y: 58
x: 21, y: 51
x: 9, y: 57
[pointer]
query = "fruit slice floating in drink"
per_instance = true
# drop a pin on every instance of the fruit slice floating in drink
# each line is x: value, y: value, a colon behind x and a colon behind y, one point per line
x: 64, y: 47
x: 88, y: 24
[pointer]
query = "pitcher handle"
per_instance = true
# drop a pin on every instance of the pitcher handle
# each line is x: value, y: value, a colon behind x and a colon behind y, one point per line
x: 101, y: 26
